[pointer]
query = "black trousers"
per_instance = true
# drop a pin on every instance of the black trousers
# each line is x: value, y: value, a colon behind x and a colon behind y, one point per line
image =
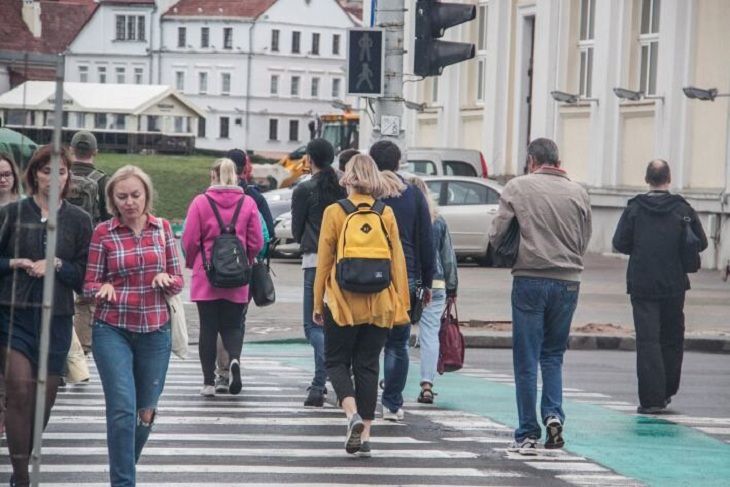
x: 659, y: 328
x: 357, y: 346
x: 219, y: 317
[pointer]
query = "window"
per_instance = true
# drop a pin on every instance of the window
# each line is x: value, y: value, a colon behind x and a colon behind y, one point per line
x: 295, y: 85
x: 585, y: 44
x: 293, y: 130
x: 275, y: 40
x: 228, y: 38
x: 224, y: 123
x: 180, y: 81
x: 130, y: 28
x: 121, y: 75
x: 138, y: 75
x: 153, y: 123
x: 434, y: 89
x: 84, y: 74
x: 295, y: 42
x: 225, y: 83
x: 336, y: 83
x: 101, y: 70
x: 100, y: 120
x: 434, y: 190
x: 427, y: 168
x: 80, y: 120
x: 459, y: 168
x: 481, y: 67
x: 463, y: 193
x: 201, y: 127
x: 273, y: 129
x: 274, y: 86
x: 202, y: 83
x: 181, y: 125
x: 315, y: 44
x: 205, y: 37
x: 482, y: 16
x: 120, y: 122
x: 182, y: 37
x: 315, y: 87
x: 649, y: 44
x: 336, y: 45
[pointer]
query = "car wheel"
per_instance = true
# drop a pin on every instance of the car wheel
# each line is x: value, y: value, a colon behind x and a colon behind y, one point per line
x: 487, y: 259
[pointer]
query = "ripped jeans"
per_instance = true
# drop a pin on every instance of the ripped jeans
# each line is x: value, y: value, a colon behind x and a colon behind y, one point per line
x: 132, y: 368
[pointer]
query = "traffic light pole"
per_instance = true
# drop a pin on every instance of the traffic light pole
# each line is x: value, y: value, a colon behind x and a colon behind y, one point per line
x: 390, y: 16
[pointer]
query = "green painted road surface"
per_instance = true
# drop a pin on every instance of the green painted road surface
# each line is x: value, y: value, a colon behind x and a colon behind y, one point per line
x: 652, y: 450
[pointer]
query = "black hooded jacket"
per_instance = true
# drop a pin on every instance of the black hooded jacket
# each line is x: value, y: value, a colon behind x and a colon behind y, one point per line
x: 650, y: 232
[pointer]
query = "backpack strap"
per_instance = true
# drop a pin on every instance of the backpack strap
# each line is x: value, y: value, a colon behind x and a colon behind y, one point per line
x: 347, y: 205
x: 231, y: 227
x: 378, y: 207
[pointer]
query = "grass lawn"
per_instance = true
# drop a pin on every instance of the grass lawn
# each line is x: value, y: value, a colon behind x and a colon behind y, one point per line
x: 177, y: 179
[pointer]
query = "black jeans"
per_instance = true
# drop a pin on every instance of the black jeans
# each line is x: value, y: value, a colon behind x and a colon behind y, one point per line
x: 219, y: 317
x: 357, y: 346
x: 659, y: 328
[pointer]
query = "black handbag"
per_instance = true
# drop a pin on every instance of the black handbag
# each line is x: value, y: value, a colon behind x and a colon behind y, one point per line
x: 419, y: 292
x: 505, y: 255
x: 690, y: 246
x: 262, y: 286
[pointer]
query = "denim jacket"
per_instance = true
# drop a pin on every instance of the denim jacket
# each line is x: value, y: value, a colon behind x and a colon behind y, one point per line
x: 445, y: 265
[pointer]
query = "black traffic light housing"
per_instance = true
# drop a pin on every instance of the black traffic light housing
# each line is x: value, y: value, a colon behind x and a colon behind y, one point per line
x: 432, y: 20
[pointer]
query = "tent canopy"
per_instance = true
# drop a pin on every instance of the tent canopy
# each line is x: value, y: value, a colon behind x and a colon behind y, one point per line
x: 20, y: 147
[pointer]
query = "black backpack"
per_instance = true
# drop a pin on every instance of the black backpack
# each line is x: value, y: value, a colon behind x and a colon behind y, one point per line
x: 228, y: 266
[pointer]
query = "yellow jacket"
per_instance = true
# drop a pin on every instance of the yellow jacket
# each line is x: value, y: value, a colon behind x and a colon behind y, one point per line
x: 384, y: 309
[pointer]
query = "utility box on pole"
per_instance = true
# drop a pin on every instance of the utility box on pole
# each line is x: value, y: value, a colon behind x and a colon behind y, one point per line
x: 365, y: 61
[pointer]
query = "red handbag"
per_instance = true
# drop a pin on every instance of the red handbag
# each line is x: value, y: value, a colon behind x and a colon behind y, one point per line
x: 451, y: 341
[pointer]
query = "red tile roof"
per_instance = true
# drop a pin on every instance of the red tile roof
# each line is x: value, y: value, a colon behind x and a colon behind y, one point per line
x: 61, y: 21
x: 220, y: 8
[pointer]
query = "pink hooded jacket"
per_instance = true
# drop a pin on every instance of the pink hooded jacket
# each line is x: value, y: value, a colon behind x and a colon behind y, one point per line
x: 200, y: 223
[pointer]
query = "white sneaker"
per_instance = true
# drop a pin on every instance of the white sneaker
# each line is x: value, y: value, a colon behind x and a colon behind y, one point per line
x: 207, y: 391
x: 527, y: 447
x: 397, y: 416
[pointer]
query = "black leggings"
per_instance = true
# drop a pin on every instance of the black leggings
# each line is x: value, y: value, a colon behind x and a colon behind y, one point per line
x: 219, y: 317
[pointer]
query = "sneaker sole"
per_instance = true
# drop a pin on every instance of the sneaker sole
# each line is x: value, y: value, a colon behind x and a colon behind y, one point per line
x: 235, y: 386
x: 528, y: 452
x: 354, y: 440
x: 364, y: 454
x: 207, y: 395
x: 554, y: 437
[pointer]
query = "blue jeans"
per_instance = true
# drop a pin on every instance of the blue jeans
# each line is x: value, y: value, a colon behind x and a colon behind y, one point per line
x: 542, y: 310
x: 428, y: 336
x: 395, y: 364
x: 314, y: 332
x: 132, y: 368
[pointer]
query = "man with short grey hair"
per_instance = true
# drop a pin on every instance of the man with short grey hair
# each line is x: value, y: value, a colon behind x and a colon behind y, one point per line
x: 652, y: 231
x: 554, y: 218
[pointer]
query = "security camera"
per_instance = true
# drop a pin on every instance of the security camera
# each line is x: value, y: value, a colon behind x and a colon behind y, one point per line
x: 564, y: 97
x: 630, y: 95
x: 695, y: 93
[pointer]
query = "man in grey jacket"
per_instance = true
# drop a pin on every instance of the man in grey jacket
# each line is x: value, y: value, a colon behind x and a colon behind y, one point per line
x: 554, y: 217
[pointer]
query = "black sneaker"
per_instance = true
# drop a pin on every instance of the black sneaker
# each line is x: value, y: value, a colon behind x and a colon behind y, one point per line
x: 651, y: 410
x: 554, y: 430
x: 355, y: 427
x: 315, y: 398
x: 365, y: 451
x: 234, y: 375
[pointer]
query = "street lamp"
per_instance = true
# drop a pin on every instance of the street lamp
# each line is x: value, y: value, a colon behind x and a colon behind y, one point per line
x: 632, y: 95
x: 694, y: 93
x: 569, y: 98
x: 339, y: 104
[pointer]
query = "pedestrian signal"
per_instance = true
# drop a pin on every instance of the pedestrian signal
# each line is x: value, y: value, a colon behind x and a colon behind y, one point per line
x: 432, y: 19
x: 365, y: 62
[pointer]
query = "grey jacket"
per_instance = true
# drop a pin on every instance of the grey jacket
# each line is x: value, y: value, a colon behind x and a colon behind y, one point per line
x: 445, y: 268
x: 554, y: 215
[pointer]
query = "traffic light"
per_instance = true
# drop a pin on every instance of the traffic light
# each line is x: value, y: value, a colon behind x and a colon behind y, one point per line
x: 432, y: 20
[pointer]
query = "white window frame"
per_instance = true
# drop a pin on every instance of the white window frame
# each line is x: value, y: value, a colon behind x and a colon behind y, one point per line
x: 276, y: 129
x: 228, y: 38
x: 138, y: 76
x: 336, y: 44
x: 83, y: 74
x: 296, y: 86
x: 316, y: 41
x: 120, y: 75
x: 131, y: 28
x: 434, y: 89
x: 205, y: 37
x: 180, y: 81
x: 649, y: 48
x: 336, y: 88
x: 314, y: 90
x: 275, y: 40
x: 482, y: 27
x: 586, y: 45
x: 292, y: 124
x: 202, y: 82
x: 220, y: 127
x: 182, y: 35
x: 225, y: 80
x: 101, y: 73
x: 298, y: 36
x: 481, y: 79
x: 274, y: 84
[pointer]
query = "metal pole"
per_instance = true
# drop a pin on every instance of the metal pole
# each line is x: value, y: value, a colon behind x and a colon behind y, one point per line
x: 390, y: 16
x: 49, y: 278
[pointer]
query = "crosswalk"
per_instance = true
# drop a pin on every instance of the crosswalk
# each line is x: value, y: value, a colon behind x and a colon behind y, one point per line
x: 264, y: 436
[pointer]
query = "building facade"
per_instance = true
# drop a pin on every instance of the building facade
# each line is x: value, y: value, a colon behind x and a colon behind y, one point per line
x: 526, y: 49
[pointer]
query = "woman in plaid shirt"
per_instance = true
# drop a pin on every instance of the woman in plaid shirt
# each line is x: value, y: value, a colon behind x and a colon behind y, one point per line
x: 132, y: 264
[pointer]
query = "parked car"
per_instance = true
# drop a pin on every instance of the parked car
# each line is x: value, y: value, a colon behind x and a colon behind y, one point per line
x: 446, y: 162
x: 279, y: 200
x: 284, y: 245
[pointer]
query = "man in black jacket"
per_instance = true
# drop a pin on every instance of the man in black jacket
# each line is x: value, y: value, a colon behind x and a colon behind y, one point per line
x: 651, y: 232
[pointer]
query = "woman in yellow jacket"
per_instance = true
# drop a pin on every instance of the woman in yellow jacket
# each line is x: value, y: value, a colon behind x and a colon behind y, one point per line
x: 356, y: 324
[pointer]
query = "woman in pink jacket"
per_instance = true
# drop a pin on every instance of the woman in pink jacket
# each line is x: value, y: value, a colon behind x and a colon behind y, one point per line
x: 221, y: 310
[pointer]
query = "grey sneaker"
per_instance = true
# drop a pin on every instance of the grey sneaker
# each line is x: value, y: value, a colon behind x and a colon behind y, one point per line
x: 526, y: 446
x: 355, y: 428
x: 554, y: 429
x: 221, y: 384
x: 396, y: 416
x: 207, y: 391
x: 365, y: 451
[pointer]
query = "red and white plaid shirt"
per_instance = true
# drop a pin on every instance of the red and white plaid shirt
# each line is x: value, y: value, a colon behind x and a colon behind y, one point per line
x: 129, y: 263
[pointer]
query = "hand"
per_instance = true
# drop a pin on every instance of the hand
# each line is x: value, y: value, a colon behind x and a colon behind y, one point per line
x: 426, y: 297
x: 318, y: 318
x: 451, y: 296
x: 24, y: 264
x: 37, y: 268
x: 163, y: 280
x: 106, y: 293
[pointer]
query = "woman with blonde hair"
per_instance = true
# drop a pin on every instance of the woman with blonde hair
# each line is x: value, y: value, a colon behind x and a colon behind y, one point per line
x: 223, y: 208
x: 357, y: 318
x: 445, y: 282
x: 133, y: 263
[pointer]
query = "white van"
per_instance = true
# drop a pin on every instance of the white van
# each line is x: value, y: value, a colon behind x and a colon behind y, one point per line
x: 427, y: 161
